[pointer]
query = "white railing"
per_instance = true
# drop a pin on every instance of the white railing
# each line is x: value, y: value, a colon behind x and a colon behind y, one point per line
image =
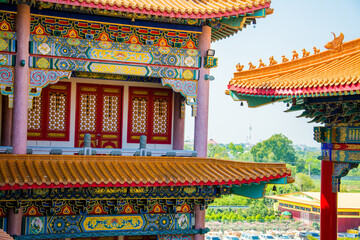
x: 103, y: 151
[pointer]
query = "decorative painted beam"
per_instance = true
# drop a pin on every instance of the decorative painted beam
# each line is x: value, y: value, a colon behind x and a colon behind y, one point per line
x: 159, y: 54
x: 72, y: 194
x: 108, y: 225
x: 113, y: 68
x: 187, y: 88
x: 39, y: 78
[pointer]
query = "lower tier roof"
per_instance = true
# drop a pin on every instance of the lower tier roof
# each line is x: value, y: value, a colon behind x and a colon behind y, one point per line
x: 65, y: 171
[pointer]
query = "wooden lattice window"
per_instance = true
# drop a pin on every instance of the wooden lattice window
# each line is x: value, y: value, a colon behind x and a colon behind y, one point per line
x: 50, y: 115
x: 150, y: 111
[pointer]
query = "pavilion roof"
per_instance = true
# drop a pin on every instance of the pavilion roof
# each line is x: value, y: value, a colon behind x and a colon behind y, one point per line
x: 208, y: 9
x: 329, y: 73
x: 345, y: 200
x: 64, y: 171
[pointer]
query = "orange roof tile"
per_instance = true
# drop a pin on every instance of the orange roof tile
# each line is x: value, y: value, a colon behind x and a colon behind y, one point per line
x: 332, y: 72
x: 174, y: 8
x: 4, y: 235
x: 44, y: 171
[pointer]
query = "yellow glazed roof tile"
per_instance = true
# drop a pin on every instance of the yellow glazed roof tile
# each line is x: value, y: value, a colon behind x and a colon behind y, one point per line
x: 44, y: 171
x: 4, y: 235
x: 174, y: 8
x: 321, y: 73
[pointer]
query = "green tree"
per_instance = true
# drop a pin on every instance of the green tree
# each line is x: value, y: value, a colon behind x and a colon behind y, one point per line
x: 278, y: 148
x: 304, y: 182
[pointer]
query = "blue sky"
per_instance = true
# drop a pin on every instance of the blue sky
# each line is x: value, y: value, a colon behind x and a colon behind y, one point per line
x: 294, y: 25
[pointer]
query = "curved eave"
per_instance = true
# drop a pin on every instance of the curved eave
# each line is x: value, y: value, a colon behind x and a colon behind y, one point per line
x: 51, y: 171
x: 330, y: 73
x: 199, y: 10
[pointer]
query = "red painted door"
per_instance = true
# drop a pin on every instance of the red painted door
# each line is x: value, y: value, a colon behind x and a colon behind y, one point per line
x: 99, y: 112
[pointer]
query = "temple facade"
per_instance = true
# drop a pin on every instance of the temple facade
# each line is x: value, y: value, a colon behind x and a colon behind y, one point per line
x: 324, y: 86
x: 92, y: 118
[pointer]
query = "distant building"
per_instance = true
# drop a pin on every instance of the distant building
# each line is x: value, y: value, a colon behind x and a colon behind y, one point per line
x: 305, y: 206
x: 212, y: 141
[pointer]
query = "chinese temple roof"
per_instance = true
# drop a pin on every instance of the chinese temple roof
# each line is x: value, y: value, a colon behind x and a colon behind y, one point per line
x: 207, y: 9
x: 345, y: 200
x: 334, y: 72
x: 5, y: 236
x: 64, y: 171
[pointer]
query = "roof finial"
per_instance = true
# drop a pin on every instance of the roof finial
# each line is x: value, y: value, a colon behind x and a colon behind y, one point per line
x: 272, y: 61
x: 316, y: 50
x: 305, y: 53
x: 335, y: 44
x: 284, y: 59
x: 261, y: 63
x: 295, y: 55
x: 239, y: 67
x: 251, y: 66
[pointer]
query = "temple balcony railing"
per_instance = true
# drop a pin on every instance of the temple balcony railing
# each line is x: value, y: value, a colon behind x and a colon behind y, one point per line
x: 88, y: 150
x: 102, y: 151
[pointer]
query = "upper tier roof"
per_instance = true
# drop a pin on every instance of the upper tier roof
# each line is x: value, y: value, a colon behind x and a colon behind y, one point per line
x: 203, y: 9
x: 329, y: 73
x: 64, y: 171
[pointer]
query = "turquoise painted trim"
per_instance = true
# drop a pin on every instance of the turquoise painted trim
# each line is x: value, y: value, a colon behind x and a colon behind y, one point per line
x: 110, y: 234
x: 255, y: 190
x: 251, y: 190
x: 234, y: 22
x: 279, y: 181
x: 258, y: 13
x: 255, y: 101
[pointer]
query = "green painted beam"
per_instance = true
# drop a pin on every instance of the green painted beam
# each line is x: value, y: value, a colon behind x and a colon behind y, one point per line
x: 251, y: 191
x: 234, y: 22
x: 254, y: 101
x: 255, y: 190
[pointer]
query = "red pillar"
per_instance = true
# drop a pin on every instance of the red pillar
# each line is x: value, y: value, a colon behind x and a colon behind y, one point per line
x: 14, y: 222
x: 179, y: 124
x: 328, y: 203
x: 199, y: 222
x: 6, y: 122
x: 21, y: 80
x: 201, y: 119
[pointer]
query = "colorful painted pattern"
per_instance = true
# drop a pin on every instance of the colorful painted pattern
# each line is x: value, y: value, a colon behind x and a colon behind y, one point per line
x: 114, y: 51
x: 38, y: 80
x: 203, y: 192
x: 115, y: 77
x: 82, y: 29
x: 7, y: 22
x: 109, y: 207
x: 112, y: 68
x: 104, y: 12
x: 187, y: 88
x: 174, y: 237
x: 90, y: 223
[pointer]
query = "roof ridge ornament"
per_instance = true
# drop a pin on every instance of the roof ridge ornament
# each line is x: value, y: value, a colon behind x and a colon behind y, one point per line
x: 336, y: 43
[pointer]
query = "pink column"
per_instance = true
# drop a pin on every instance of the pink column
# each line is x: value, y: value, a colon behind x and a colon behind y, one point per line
x: 201, y: 119
x: 179, y: 124
x: 21, y: 80
x: 14, y: 222
x: 328, y: 203
x: 6, y: 122
x: 199, y: 222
